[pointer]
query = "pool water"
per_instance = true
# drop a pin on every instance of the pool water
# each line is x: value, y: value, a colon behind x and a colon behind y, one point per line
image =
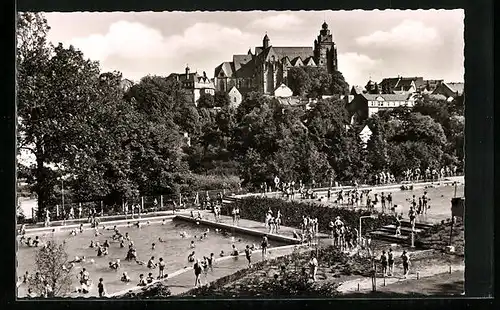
x: 174, y: 251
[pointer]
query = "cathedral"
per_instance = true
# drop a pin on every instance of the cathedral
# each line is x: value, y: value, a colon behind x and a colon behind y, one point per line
x: 266, y: 69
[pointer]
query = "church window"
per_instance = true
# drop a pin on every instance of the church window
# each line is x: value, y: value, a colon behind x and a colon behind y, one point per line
x: 234, y: 99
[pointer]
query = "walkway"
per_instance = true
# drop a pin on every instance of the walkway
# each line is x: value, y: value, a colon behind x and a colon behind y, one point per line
x: 364, y: 284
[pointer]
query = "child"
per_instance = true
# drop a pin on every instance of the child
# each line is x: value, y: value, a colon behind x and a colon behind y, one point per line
x: 161, y: 268
x: 153, y: 246
x: 100, y: 287
x: 192, y: 245
x: 210, y: 261
x: 221, y: 253
x: 248, y: 254
x: 151, y: 263
x: 149, y: 279
x: 142, y: 281
x: 125, y: 277
x: 234, y: 251
x: 191, y: 257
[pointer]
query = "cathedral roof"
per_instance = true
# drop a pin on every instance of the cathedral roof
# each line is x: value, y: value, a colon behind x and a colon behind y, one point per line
x: 226, y: 67
x: 239, y: 60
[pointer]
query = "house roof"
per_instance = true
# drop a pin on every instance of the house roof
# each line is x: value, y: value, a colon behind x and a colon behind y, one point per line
x: 226, y: 67
x: 456, y: 87
x: 291, y: 52
x: 387, y: 97
x: 239, y: 60
x: 357, y: 89
x: 404, y: 82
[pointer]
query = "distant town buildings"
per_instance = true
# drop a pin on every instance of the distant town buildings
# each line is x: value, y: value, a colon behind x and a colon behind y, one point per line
x: 195, y: 84
x: 267, y: 69
x: 363, y: 106
x: 449, y: 90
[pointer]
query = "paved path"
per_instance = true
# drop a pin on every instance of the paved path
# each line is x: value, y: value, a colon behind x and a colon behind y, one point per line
x: 365, y: 283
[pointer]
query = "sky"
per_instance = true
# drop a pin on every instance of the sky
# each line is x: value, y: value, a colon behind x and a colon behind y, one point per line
x: 370, y: 44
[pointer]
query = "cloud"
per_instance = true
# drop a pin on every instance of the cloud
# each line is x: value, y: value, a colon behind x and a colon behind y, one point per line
x: 141, y: 46
x: 277, y: 22
x: 357, y: 68
x: 409, y: 33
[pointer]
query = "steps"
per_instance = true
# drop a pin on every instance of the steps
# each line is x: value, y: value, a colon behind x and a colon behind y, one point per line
x: 388, y: 232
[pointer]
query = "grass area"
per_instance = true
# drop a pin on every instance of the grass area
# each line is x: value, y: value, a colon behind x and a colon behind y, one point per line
x: 438, y: 237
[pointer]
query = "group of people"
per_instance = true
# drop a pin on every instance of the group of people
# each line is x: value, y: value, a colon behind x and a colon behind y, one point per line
x: 342, y: 235
x: 387, y: 263
x: 272, y: 222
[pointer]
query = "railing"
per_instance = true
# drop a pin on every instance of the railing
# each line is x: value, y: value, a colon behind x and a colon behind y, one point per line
x: 139, y: 205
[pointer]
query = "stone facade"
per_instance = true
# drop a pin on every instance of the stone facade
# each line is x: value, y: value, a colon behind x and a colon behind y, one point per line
x: 267, y: 68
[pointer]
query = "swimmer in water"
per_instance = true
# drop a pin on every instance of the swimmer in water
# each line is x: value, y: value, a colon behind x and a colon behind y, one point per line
x: 191, y: 257
x: 163, y: 222
x: 151, y: 263
x: 153, y: 246
x: 92, y: 244
x: 125, y: 277
x: 192, y: 244
x: 221, y: 253
x: 234, y: 251
x: 160, y: 240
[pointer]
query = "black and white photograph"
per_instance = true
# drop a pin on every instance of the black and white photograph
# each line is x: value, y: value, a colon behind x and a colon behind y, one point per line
x: 240, y: 154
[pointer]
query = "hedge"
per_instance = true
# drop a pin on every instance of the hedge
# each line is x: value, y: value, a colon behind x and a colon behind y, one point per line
x: 255, y: 208
x: 288, y: 282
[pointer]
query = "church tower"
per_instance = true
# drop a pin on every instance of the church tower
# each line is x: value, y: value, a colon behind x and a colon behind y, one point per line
x: 265, y: 42
x: 325, y: 51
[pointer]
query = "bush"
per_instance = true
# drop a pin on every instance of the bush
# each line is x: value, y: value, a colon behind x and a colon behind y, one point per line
x: 255, y: 208
x: 155, y: 291
x: 199, y: 182
x: 288, y: 279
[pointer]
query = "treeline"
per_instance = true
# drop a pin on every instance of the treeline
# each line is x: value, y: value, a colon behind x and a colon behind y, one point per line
x: 112, y: 143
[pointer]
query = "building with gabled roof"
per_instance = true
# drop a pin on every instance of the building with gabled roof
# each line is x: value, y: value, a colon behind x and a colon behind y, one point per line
x: 195, y: 84
x: 449, y: 90
x: 363, y: 106
x: 267, y: 69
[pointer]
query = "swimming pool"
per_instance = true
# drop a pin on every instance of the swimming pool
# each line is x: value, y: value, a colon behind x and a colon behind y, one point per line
x: 174, y: 250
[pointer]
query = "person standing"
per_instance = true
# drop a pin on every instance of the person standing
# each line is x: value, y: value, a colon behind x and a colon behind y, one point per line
x: 100, y: 287
x: 382, y: 200
x: 390, y: 261
x: 313, y: 267
x: 406, y: 263
x: 383, y: 261
x: 264, y: 246
x: 161, y: 268
x: 248, y: 255
x: 197, y: 272
x: 425, y: 199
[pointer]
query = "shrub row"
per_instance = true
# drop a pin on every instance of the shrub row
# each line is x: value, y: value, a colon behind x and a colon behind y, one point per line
x: 287, y: 280
x: 255, y: 208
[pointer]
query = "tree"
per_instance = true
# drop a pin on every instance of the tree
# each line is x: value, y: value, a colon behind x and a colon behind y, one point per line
x: 338, y: 84
x: 206, y: 101
x: 316, y: 82
x: 55, y: 87
x: 53, y: 277
x: 221, y: 99
x: 377, y: 146
x: 298, y: 81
